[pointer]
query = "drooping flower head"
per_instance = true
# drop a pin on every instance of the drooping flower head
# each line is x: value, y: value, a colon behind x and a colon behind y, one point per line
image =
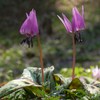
x: 77, y: 24
x: 29, y: 27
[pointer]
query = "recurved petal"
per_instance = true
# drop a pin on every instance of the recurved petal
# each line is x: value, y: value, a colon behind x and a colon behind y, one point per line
x: 78, y: 20
x: 82, y: 11
x: 34, y: 22
x: 61, y: 20
x: 27, y: 15
x: 67, y: 23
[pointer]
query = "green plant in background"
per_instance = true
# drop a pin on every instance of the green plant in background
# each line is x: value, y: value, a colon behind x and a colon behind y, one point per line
x: 60, y: 44
x: 79, y: 72
x: 42, y: 84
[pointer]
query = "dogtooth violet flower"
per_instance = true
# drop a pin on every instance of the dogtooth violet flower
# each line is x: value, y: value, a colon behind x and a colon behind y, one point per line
x: 29, y: 28
x: 77, y: 23
x: 96, y: 73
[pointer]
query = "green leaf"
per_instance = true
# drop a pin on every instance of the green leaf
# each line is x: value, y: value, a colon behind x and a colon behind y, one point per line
x: 92, y: 89
x: 55, y: 86
x: 52, y: 98
x: 31, y: 80
x: 92, y: 86
x: 61, y: 80
x: 19, y: 94
x: 76, y: 84
x: 16, y: 84
x: 34, y: 74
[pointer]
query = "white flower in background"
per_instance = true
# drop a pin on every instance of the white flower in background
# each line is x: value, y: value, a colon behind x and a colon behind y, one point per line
x: 96, y: 73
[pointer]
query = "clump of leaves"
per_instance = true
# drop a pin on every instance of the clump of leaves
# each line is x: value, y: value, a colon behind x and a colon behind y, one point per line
x: 55, y: 87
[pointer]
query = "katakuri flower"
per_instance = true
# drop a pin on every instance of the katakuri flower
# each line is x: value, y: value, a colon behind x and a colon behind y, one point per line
x: 96, y: 73
x: 77, y: 23
x: 74, y: 27
x: 29, y: 28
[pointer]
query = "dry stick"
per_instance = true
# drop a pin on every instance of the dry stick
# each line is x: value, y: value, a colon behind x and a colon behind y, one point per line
x: 41, y: 57
x: 74, y: 56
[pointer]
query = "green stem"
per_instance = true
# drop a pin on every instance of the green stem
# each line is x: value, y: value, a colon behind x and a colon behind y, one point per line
x: 41, y: 57
x: 74, y: 56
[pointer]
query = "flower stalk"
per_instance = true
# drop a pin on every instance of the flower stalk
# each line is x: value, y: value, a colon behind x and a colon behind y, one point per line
x: 74, y: 56
x: 41, y: 57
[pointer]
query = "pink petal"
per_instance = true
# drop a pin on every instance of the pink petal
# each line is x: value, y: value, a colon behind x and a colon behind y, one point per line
x: 82, y: 11
x: 34, y: 22
x: 30, y: 25
x: 77, y: 20
x: 96, y: 73
x: 61, y: 20
x: 66, y: 23
x: 73, y: 25
x: 27, y: 15
x: 26, y: 27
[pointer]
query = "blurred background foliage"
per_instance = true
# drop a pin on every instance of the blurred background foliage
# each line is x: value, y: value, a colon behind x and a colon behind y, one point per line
x: 56, y: 44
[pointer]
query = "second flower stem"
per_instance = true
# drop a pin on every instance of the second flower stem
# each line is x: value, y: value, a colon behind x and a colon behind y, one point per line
x: 74, y: 56
x: 41, y: 57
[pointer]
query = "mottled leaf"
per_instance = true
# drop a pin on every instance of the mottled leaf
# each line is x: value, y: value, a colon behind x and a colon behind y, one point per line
x: 61, y: 80
x: 76, y: 84
x: 14, y: 85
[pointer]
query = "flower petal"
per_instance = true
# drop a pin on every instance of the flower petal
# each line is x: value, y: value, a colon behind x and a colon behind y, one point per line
x: 82, y: 11
x: 26, y: 27
x: 29, y: 27
x: 96, y: 73
x: 77, y: 20
x: 61, y: 20
x: 27, y: 15
x: 34, y: 22
x: 66, y: 23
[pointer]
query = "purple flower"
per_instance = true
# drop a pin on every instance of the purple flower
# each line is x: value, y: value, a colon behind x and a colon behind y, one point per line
x: 77, y: 23
x: 29, y: 27
x: 96, y: 73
